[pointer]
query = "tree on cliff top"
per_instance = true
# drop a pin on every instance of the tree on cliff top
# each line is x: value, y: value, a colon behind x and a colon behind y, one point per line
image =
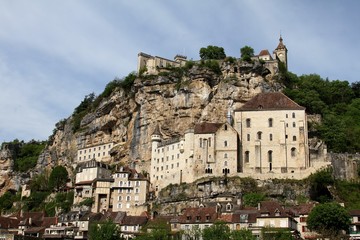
x: 246, y: 53
x: 212, y: 52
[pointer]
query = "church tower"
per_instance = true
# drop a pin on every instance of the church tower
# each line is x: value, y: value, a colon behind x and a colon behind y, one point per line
x: 280, y: 52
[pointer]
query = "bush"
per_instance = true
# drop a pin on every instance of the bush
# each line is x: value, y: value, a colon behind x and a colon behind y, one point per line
x: 213, y: 65
x: 252, y: 199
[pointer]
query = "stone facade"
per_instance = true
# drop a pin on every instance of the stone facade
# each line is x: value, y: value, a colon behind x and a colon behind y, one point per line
x: 269, y: 140
x: 129, y: 191
x: 210, y: 149
x: 100, y: 153
x: 154, y: 64
x: 273, y: 135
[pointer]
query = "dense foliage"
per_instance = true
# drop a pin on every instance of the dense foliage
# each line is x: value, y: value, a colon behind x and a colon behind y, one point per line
x: 269, y: 233
x: 25, y: 154
x: 7, y: 200
x: 328, y: 219
x: 212, y: 52
x: 104, y: 231
x: 319, y: 183
x: 58, y: 178
x: 246, y: 53
x: 338, y: 103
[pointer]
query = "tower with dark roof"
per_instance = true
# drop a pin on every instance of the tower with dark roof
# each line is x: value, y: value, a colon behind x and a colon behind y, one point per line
x: 280, y: 52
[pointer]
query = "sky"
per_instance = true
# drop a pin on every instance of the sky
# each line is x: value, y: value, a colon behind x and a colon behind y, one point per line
x: 54, y: 53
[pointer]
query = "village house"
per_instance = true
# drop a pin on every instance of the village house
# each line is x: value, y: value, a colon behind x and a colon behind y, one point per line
x: 354, y: 228
x: 130, y: 191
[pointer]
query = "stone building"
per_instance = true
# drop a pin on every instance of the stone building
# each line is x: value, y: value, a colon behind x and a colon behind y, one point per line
x: 100, y: 152
x: 273, y: 134
x: 153, y: 64
x: 88, y: 183
x: 210, y: 149
x: 129, y: 191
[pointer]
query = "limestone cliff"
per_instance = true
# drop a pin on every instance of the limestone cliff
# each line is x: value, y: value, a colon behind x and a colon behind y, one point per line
x: 172, y: 99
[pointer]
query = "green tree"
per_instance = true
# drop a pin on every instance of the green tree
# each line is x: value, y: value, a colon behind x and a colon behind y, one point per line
x: 7, y: 200
x: 40, y: 182
x: 319, y: 183
x: 219, y: 230
x: 104, y: 231
x: 212, y: 52
x: 246, y: 53
x: 269, y: 233
x: 328, y: 219
x: 243, y: 234
x: 58, y: 178
x: 252, y: 199
x: 158, y: 229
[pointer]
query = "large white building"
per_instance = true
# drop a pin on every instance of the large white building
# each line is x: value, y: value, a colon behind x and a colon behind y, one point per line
x: 273, y: 134
x: 268, y: 139
x: 210, y: 149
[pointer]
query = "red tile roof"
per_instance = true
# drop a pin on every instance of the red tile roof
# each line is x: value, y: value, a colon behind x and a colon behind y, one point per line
x: 303, y: 209
x: 199, y: 215
x: 7, y: 222
x: 270, y: 101
x: 264, y: 52
x: 204, y: 128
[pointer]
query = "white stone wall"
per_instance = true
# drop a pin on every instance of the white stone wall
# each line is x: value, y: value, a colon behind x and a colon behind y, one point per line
x: 97, y: 152
x: 129, y: 195
x: 277, y: 147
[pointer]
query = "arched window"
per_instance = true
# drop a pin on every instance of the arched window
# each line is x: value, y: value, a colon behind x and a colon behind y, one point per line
x: 247, y: 156
x: 225, y: 143
x: 225, y: 127
x: 225, y: 163
x: 259, y: 135
x: 294, y: 138
x: 225, y: 155
x: 293, y: 115
x: 270, y: 159
x: 293, y: 152
x: 270, y: 120
x: 248, y: 122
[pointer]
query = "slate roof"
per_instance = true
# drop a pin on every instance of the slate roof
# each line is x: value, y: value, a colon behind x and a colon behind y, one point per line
x: 134, y: 220
x: 204, y: 128
x: 270, y: 101
x: 132, y: 173
x: 281, y: 44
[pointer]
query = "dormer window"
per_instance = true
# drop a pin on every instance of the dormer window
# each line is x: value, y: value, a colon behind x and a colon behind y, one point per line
x: 277, y: 212
x: 188, y: 218
x: 228, y: 207
x: 198, y: 218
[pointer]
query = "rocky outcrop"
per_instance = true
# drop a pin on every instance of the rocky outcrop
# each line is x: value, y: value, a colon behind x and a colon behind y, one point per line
x: 175, y: 101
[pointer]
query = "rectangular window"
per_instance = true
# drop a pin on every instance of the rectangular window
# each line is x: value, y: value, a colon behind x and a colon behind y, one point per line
x: 248, y: 122
x: 248, y: 137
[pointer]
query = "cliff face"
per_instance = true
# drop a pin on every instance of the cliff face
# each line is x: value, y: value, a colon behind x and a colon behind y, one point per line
x: 172, y: 100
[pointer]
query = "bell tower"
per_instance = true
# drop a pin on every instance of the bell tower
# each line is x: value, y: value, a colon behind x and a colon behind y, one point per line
x: 280, y: 52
